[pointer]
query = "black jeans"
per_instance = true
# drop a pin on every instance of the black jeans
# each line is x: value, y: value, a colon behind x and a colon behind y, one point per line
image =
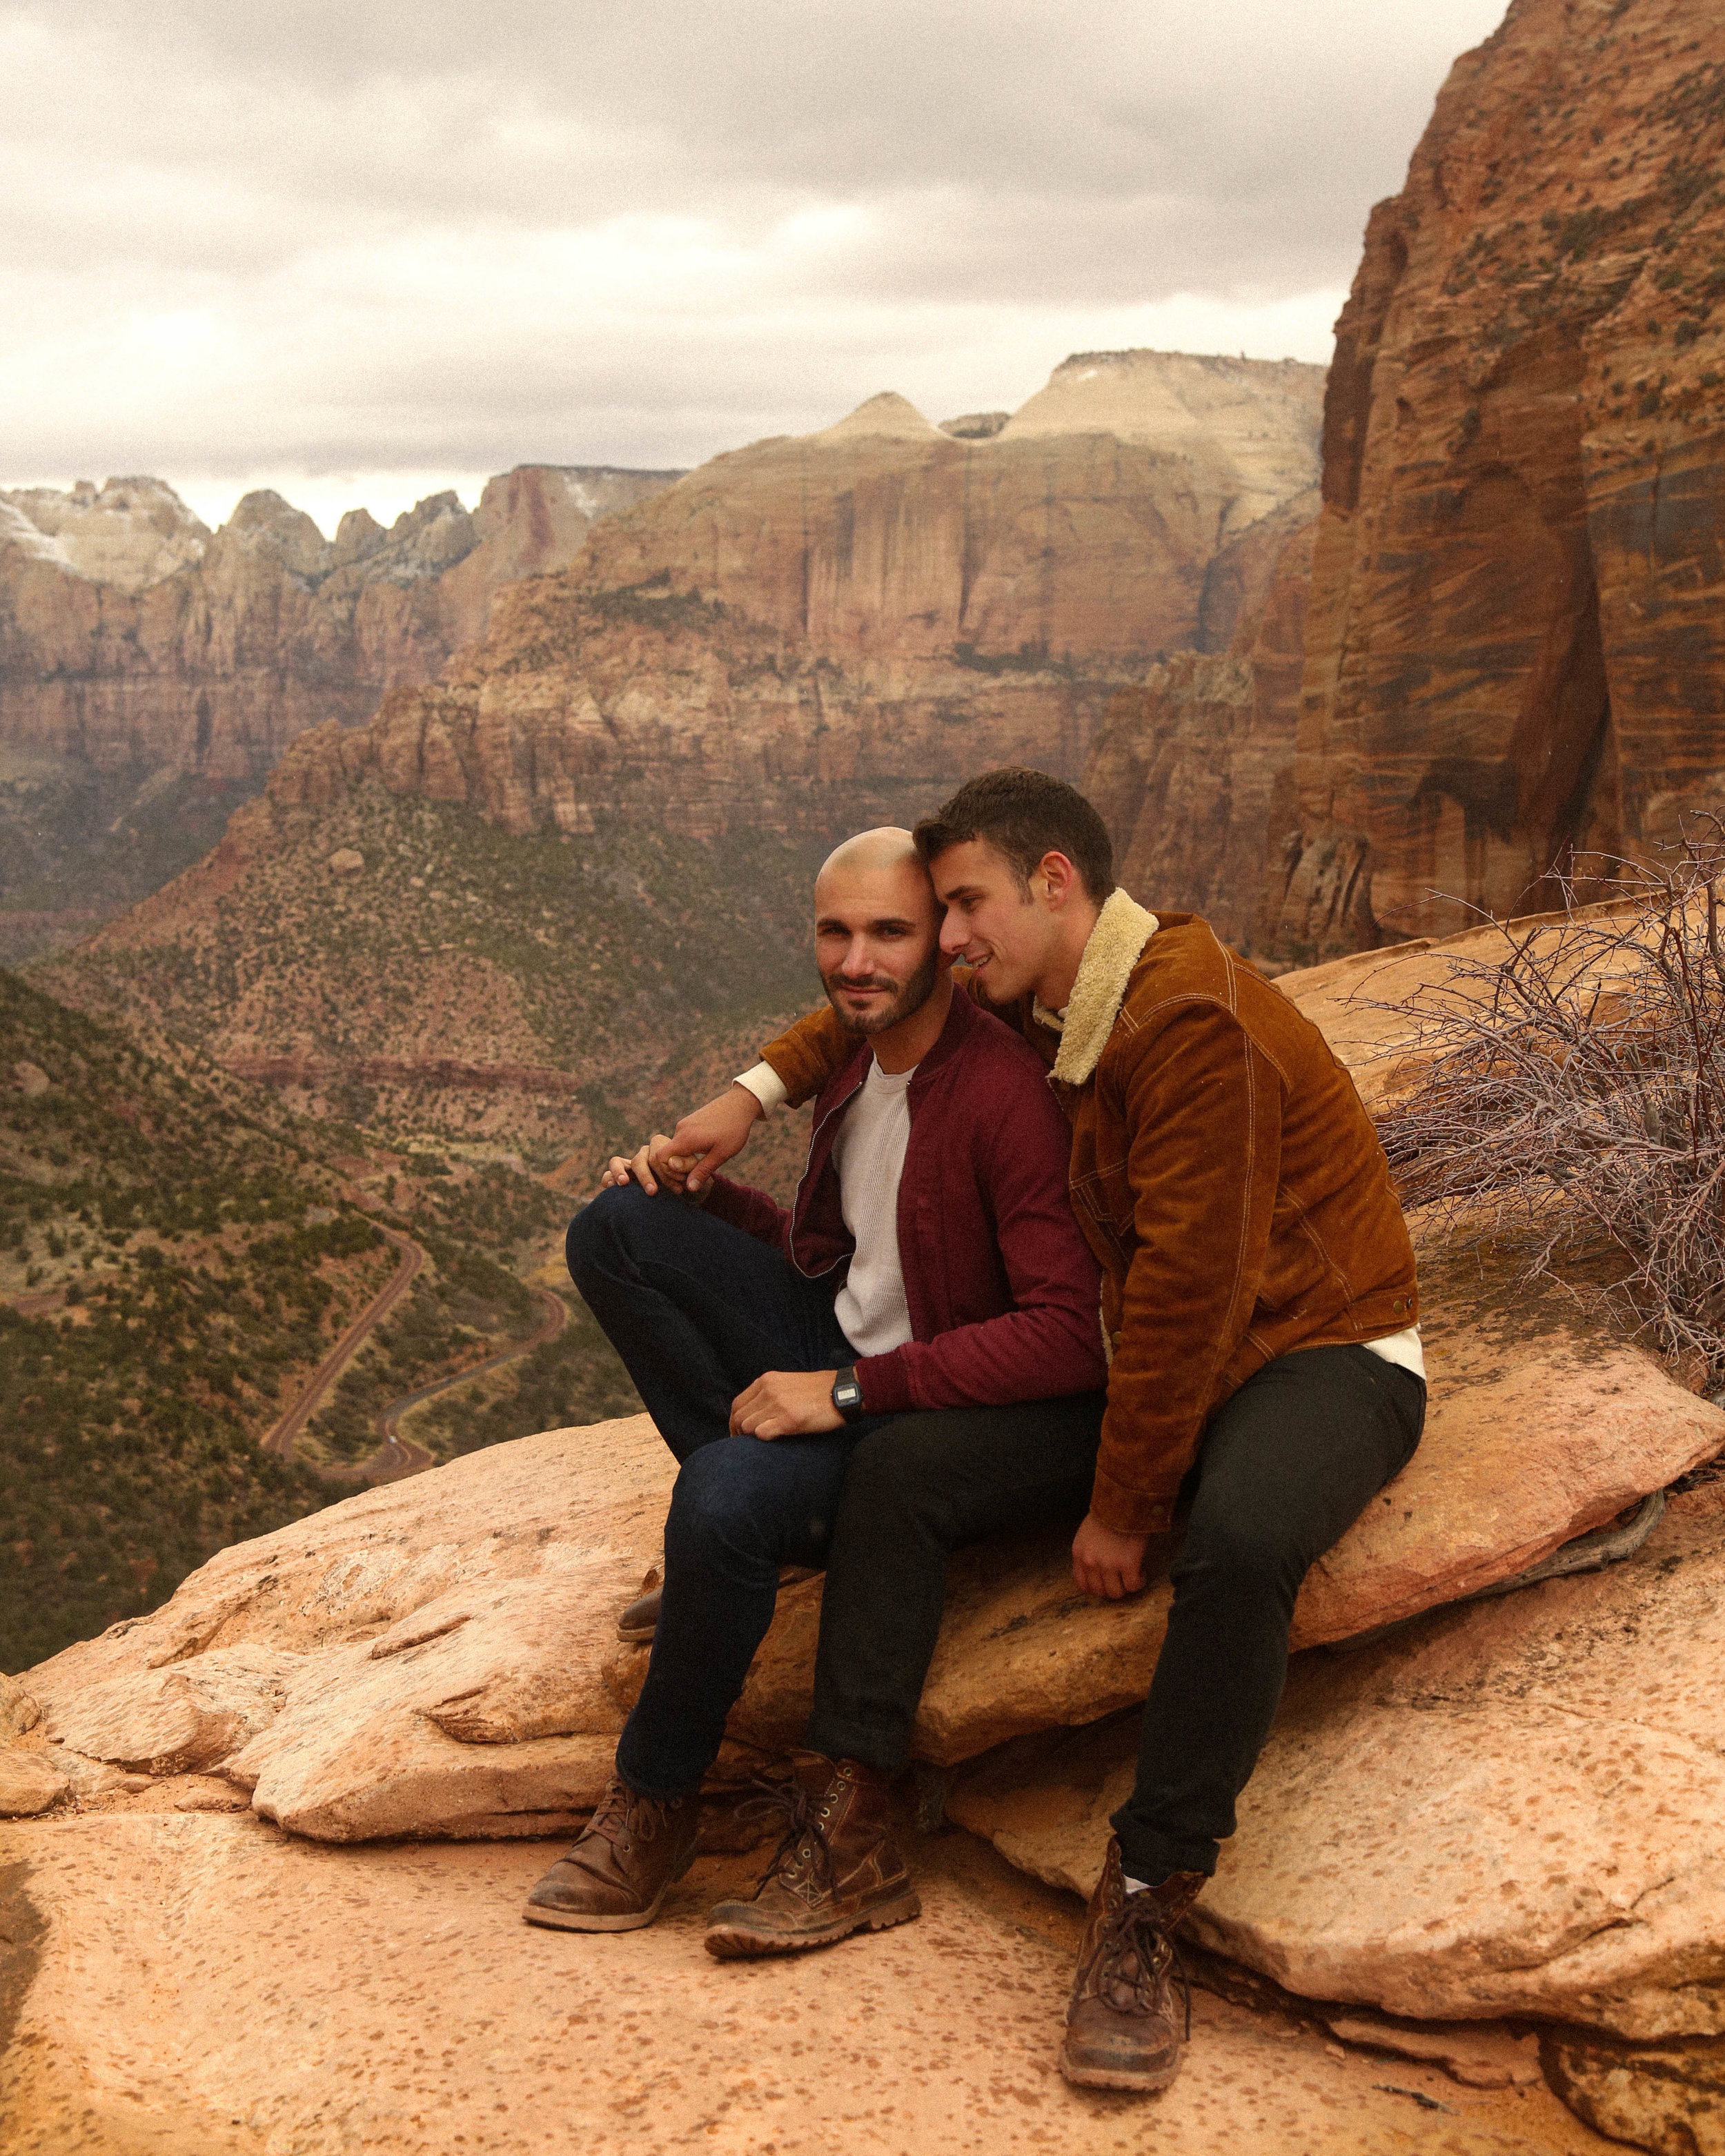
x: 698, y: 1310
x: 1286, y: 1466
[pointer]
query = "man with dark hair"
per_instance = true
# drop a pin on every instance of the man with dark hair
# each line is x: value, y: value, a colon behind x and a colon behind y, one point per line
x: 1024, y: 814
x: 931, y: 1285
x: 1258, y: 1304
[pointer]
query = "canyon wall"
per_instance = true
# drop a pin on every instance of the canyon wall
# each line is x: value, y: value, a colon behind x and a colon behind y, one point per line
x: 152, y: 671
x: 1194, y: 772
x: 821, y: 629
x: 1516, y: 636
x: 130, y: 635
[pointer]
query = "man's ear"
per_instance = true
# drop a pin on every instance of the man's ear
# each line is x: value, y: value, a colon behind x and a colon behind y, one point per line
x: 1057, y: 877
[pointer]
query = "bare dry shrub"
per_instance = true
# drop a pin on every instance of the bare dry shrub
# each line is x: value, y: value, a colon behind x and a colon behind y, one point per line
x: 1577, y: 1096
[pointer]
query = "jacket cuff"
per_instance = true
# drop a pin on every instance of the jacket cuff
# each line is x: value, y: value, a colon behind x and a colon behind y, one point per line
x: 1130, y: 1512
x: 768, y: 1088
x: 886, y: 1384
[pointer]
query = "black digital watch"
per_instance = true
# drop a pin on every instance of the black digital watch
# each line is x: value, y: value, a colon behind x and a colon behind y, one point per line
x: 847, y: 1392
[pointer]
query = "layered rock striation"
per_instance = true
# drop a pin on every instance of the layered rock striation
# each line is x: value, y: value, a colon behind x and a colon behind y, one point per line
x: 1194, y: 772
x: 1514, y: 645
x: 818, y: 630
x: 131, y: 635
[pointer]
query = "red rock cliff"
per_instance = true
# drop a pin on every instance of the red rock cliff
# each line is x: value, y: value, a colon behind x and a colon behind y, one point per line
x: 129, y: 636
x: 1515, y: 643
x: 818, y: 629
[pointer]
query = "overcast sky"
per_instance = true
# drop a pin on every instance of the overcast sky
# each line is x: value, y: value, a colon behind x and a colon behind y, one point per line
x: 361, y: 251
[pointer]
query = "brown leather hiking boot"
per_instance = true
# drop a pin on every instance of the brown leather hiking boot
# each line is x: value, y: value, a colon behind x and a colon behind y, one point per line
x: 639, y: 1621
x: 835, y: 1871
x: 1123, y: 2030
x: 633, y: 1852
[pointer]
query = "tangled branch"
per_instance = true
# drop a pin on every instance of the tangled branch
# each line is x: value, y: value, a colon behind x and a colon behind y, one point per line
x: 1576, y: 1088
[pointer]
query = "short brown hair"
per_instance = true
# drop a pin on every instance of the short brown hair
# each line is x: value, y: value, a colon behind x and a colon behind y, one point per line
x: 1024, y: 814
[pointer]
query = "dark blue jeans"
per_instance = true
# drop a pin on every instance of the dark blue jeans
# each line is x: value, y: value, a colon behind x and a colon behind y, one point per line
x: 698, y: 1310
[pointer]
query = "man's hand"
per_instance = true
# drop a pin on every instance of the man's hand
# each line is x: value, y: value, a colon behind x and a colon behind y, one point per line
x: 639, y: 1169
x: 708, y: 1137
x: 785, y: 1404
x: 1105, y: 1563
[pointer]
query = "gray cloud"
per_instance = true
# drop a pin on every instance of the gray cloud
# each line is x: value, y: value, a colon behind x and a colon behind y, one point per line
x: 323, y: 238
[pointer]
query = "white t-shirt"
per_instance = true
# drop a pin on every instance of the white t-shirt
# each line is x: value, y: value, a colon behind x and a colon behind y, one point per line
x: 869, y: 1153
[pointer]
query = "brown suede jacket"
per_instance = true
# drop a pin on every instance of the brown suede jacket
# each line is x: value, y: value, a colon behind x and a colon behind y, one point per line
x: 1224, y: 1171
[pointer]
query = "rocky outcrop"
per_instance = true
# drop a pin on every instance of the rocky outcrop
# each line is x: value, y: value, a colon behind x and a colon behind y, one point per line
x: 178, y: 1980
x: 1513, y: 1809
x: 1514, y: 645
x: 132, y: 636
x: 1080, y: 533
x: 129, y: 534
x: 436, y: 1657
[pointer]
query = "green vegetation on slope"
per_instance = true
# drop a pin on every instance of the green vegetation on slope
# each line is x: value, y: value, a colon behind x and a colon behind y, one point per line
x: 603, y: 957
x: 574, y: 1378
x: 166, y: 1286
x: 177, y: 1256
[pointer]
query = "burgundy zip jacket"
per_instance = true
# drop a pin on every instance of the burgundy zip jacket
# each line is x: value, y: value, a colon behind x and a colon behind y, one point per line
x: 1003, y: 1291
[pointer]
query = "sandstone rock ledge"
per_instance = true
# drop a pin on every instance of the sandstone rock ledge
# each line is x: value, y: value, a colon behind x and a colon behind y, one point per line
x: 1508, y: 1809
x: 205, y: 1986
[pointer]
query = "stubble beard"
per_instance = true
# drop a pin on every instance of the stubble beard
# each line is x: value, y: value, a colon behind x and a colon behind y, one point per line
x: 908, y: 1000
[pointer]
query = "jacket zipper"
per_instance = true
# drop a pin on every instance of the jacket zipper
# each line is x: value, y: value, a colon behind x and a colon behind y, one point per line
x: 796, y: 1199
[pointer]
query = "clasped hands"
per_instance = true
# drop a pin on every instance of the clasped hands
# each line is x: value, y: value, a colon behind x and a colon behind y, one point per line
x: 687, y: 1160
x: 799, y: 1402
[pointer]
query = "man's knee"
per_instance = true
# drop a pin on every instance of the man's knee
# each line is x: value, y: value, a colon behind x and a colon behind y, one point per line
x: 608, y: 1230
x: 883, y: 1466
x: 1250, y: 1556
x: 722, y: 1506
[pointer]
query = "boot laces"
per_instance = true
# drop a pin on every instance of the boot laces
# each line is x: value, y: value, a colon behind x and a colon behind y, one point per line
x: 621, y: 1816
x: 789, y: 1805
x: 1137, y: 1934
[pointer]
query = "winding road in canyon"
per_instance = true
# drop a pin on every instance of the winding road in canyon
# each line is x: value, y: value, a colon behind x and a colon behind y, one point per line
x: 396, y: 1456
x: 280, y: 1440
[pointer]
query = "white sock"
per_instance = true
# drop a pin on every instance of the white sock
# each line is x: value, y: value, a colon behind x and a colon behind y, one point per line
x: 1134, y: 1886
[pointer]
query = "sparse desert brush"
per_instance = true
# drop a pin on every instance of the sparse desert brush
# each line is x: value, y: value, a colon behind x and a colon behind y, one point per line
x: 1575, y: 1097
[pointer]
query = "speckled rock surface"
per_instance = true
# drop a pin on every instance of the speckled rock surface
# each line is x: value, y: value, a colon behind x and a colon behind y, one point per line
x: 30, y: 1783
x: 1668, y: 2098
x: 1513, y: 1808
x: 182, y: 1983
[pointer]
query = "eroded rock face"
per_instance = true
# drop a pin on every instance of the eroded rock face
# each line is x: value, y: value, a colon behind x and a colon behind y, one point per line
x: 1193, y: 773
x: 1668, y: 2098
x: 837, y: 627
x: 424, y: 1659
x: 1514, y: 642
x: 129, y: 633
x: 30, y: 1783
x: 1517, y: 1808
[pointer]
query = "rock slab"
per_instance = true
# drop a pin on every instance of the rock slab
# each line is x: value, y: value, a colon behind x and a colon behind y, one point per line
x: 1515, y: 1809
x: 202, y: 1983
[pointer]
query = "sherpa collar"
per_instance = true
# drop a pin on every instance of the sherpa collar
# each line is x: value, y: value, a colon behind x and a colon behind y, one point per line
x: 1123, y: 927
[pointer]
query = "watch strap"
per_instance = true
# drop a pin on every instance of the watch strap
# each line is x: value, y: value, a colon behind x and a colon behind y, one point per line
x: 847, y: 1392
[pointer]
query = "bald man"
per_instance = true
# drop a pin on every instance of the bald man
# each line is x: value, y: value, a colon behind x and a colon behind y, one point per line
x: 931, y: 1271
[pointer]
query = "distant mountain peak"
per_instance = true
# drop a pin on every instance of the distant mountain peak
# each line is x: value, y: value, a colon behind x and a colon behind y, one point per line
x: 889, y: 415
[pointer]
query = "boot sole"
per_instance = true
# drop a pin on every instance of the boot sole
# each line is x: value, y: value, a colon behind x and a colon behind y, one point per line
x: 734, y: 1943
x: 1116, y: 2077
x: 571, y: 1920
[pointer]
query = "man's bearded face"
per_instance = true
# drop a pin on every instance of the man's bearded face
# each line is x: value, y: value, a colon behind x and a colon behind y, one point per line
x: 869, y: 999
